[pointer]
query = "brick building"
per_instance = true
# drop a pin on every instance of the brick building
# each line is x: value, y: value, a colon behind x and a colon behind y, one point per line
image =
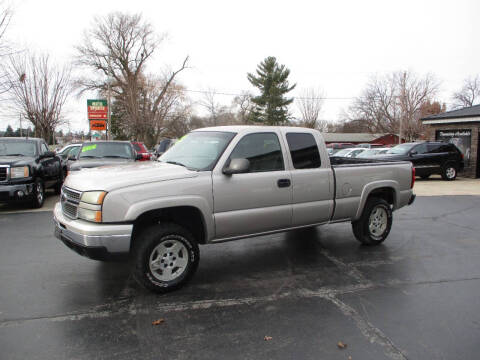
x: 460, y: 127
x: 359, y: 138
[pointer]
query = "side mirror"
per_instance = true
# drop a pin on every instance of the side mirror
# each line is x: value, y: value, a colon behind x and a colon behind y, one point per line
x: 237, y: 166
x: 413, y: 152
x: 48, y: 154
x: 72, y: 158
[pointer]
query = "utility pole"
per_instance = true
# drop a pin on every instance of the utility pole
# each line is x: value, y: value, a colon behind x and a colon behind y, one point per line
x: 21, y: 132
x: 109, y: 121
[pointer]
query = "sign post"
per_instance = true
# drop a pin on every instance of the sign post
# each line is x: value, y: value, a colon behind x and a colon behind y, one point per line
x: 98, y: 114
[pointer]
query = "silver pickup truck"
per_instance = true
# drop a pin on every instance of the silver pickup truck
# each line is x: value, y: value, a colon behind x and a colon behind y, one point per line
x: 220, y: 184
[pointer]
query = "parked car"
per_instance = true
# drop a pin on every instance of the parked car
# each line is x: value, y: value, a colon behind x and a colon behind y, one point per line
x: 338, y: 146
x: 69, y: 150
x: 429, y: 158
x: 99, y: 153
x: 163, y: 146
x: 220, y: 184
x: 349, y: 153
x: 372, y: 153
x: 141, y: 149
x: 27, y: 168
x: 369, y: 145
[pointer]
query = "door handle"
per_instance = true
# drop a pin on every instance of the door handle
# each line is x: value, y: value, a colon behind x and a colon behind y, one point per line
x: 283, y: 183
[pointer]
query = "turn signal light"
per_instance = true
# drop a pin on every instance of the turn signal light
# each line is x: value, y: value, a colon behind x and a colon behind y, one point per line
x: 413, y: 177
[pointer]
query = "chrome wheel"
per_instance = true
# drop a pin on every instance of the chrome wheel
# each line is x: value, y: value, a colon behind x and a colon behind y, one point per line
x: 377, y: 223
x: 450, y: 172
x: 169, y: 259
x: 39, y: 192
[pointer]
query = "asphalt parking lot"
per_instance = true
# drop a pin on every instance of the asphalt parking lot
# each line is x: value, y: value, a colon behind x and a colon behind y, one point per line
x: 415, y: 297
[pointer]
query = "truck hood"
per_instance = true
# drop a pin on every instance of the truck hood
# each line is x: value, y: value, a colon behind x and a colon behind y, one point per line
x: 15, y: 160
x: 92, y: 163
x: 113, y: 177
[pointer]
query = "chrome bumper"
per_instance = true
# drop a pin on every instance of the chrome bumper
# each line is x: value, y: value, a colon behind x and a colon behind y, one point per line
x: 110, y: 239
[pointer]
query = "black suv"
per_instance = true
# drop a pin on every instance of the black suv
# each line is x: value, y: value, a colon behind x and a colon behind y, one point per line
x: 429, y: 158
x: 27, y: 168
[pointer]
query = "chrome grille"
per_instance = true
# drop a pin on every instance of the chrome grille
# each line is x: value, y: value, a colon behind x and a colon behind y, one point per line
x: 3, y: 173
x: 71, y: 194
x: 69, y: 210
x: 70, y: 199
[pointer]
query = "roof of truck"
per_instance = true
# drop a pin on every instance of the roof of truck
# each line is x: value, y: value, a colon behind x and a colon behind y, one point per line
x: 239, y: 128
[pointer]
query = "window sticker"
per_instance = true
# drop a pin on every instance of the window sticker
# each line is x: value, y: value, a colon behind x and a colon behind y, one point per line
x: 89, y: 147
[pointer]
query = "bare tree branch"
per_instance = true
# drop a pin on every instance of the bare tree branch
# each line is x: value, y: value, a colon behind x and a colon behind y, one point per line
x: 469, y: 94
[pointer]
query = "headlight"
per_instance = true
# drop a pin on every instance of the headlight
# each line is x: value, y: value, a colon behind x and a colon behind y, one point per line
x: 89, y: 215
x: 19, y: 172
x: 93, y: 197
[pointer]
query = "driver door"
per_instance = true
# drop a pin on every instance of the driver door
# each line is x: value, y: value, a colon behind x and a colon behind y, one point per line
x: 257, y: 201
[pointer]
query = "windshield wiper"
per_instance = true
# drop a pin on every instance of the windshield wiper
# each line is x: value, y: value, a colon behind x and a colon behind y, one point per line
x: 116, y: 156
x: 89, y: 156
x: 176, y: 163
x: 14, y: 155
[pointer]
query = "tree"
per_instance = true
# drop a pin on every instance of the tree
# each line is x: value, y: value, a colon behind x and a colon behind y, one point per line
x: 9, y: 132
x: 469, y: 94
x: 5, y: 16
x: 118, y: 48
x: 245, y: 107
x: 39, y: 89
x: 310, y: 103
x: 392, y: 103
x: 271, y: 107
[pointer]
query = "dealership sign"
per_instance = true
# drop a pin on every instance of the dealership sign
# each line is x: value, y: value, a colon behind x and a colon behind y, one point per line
x: 97, y: 114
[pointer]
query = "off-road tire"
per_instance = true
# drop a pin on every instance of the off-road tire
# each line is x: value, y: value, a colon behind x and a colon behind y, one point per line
x: 362, y: 227
x: 145, y: 245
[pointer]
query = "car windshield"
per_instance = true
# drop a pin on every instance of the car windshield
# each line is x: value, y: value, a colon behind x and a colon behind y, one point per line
x: 401, y: 149
x: 342, y: 152
x: 198, y: 150
x: 140, y: 148
x: 106, y: 149
x: 17, y: 148
x: 368, y: 153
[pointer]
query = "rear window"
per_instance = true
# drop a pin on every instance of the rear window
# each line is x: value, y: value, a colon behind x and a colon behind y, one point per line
x: 304, y: 151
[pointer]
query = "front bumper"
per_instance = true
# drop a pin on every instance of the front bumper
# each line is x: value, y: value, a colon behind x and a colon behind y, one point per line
x: 15, y: 192
x: 95, y: 241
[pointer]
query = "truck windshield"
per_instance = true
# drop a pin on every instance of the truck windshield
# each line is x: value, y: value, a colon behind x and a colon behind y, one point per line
x: 401, y: 149
x: 106, y: 149
x: 17, y: 148
x: 198, y: 150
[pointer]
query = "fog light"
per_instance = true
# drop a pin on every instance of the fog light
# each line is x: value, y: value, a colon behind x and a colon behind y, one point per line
x: 20, y: 193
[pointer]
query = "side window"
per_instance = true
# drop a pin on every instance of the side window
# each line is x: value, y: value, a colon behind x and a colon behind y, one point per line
x: 262, y: 150
x: 43, y: 148
x: 74, y: 151
x: 433, y: 148
x: 420, y: 149
x: 304, y: 151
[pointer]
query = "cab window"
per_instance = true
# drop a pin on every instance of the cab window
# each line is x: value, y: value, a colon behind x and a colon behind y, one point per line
x: 304, y: 151
x: 262, y: 150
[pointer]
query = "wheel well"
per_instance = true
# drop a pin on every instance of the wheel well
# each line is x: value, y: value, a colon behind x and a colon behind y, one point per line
x: 386, y: 193
x: 186, y: 216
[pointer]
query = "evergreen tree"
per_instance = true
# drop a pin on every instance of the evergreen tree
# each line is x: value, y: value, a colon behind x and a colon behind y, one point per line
x: 9, y: 132
x: 271, y: 107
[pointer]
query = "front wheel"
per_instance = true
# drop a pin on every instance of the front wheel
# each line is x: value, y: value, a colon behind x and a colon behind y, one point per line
x: 165, y: 258
x: 38, y: 194
x: 375, y: 223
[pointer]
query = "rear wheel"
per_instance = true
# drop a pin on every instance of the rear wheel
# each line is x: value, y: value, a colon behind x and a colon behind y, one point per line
x: 165, y: 258
x: 375, y: 223
x: 449, y: 172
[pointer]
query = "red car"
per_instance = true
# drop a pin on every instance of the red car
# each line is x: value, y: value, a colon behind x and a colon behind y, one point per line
x: 142, y: 150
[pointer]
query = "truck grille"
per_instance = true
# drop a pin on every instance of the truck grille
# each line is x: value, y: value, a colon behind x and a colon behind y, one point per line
x: 3, y: 173
x: 70, y: 200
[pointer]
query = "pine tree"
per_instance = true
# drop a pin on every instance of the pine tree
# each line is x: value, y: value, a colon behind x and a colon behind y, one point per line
x: 9, y: 132
x: 271, y: 107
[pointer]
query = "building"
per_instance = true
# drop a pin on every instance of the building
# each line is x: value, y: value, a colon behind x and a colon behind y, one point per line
x: 460, y: 127
x: 360, y: 138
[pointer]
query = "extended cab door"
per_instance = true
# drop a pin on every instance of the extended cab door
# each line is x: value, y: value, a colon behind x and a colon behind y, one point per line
x: 312, y: 179
x: 257, y: 201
